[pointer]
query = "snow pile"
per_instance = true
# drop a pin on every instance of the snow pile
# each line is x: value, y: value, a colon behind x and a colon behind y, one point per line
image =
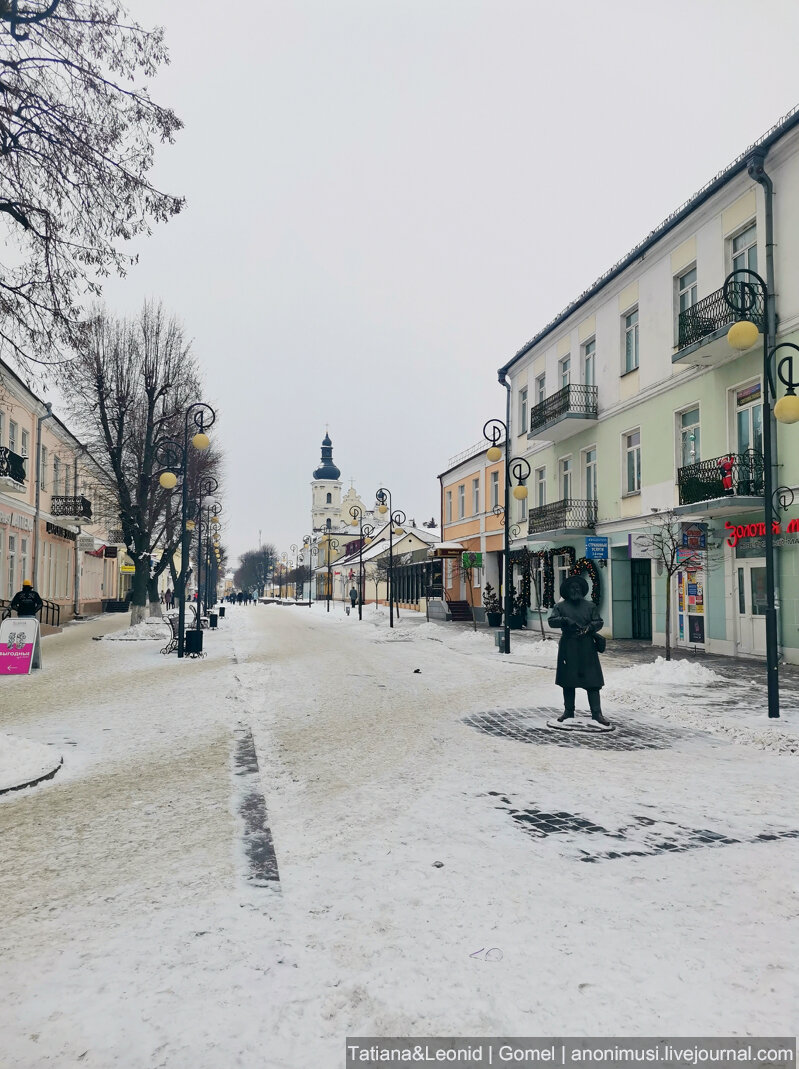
x: 676, y: 673
x: 154, y: 628
x: 472, y: 640
x: 540, y: 652
x: 429, y: 631
x: 23, y: 761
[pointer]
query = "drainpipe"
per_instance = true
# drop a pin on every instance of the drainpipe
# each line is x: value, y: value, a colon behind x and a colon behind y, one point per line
x: 756, y: 169
x: 78, y: 555
x: 47, y: 415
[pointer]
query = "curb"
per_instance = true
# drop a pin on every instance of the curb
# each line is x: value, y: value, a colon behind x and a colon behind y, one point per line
x: 33, y: 782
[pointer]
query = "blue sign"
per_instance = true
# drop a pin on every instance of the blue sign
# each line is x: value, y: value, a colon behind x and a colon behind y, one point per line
x: 596, y: 547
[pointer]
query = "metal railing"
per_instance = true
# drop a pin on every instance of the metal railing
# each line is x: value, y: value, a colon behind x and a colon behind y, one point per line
x: 50, y: 613
x: 12, y: 465
x: 576, y: 399
x: 712, y: 312
x: 705, y: 481
x: 71, y: 506
x: 560, y: 515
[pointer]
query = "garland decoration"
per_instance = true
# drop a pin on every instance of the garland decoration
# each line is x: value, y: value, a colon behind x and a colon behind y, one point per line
x: 586, y: 565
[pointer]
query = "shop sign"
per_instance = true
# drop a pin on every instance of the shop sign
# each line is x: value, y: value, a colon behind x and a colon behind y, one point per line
x: 640, y: 547
x: 694, y: 535
x: 738, y: 532
x: 596, y: 547
x: 60, y: 532
x: 472, y: 560
x: 126, y: 566
x: 17, y: 519
x: 86, y: 543
x: 110, y: 552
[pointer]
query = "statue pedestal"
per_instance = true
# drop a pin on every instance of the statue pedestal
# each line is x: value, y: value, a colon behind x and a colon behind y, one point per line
x: 580, y: 725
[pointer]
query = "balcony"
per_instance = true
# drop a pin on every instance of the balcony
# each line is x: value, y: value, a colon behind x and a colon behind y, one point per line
x: 12, y: 472
x: 702, y: 329
x: 73, y: 509
x: 569, y: 514
x: 704, y: 482
x: 557, y: 417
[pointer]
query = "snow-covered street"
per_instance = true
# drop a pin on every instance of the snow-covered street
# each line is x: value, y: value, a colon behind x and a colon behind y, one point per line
x: 447, y: 865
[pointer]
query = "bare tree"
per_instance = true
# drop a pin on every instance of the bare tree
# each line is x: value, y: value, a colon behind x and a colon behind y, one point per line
x: 77, y: 134
x: 127, y: 391
x: 255, y: 568
x: 663, y: 542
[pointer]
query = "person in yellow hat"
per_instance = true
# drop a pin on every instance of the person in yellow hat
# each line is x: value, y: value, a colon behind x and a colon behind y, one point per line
x: 26, y: 602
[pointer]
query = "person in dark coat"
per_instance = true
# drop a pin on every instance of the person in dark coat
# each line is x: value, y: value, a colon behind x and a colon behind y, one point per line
x: 353, y: 596
x: 26, y: 602
x: 578, y: 662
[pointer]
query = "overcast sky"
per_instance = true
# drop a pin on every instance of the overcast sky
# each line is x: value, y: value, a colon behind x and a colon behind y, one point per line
x: 387, y: 198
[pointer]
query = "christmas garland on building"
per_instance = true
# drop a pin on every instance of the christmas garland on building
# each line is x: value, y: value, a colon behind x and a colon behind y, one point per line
x: 544, y: 558
x: 586, y: 565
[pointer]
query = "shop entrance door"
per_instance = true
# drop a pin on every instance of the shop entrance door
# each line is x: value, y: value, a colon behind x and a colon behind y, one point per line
x: 641, y: 583
x: 751, y: 606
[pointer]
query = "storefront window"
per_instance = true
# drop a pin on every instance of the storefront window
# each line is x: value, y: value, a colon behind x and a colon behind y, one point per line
x: 758, y: 580
x: 749, y: 418
x: 12, y: 565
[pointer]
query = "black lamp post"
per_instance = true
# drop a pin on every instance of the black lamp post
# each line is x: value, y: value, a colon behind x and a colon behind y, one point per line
x: 199, y: 416
x: 394, y: 516
x: 309, y: 543
x: 283, y: 557
x: 745, y: 292
x: 515, y: 468
x: 330, y: 544
x: 208, y: 485
x: 208, y: 516
x: 364, y: 530
x: 293, y: 548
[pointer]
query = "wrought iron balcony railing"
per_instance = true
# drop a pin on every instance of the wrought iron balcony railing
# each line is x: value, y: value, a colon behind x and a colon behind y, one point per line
x: 78, y: 507
x: 569, y: 513
x: 576, y: 399
x: 712, y: 312
x: 705, y: 481
x: 12, y: 465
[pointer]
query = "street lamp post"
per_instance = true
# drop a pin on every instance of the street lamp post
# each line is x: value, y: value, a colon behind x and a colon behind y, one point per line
x: 199, y: 416
x: 744, y: 290
x: 293, y: 548
x: 208, y: 485
x: 207, y: 516
x: 515, y: 467
x: 310, y: 544
x: 364, y: 531
x: 394, y: 516
x: 330, y: 544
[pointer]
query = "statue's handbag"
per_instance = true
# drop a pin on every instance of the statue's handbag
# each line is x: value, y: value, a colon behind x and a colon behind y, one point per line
x: 599, y: 643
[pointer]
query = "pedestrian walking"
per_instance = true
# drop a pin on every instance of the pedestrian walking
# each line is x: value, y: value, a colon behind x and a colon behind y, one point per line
x: 578, y: 661
x: 26, y: 602
x: 353, y: 596
x: 168, y: 598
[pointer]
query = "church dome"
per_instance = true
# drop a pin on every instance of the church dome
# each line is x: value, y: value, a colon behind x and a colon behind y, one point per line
x: 327, y: 469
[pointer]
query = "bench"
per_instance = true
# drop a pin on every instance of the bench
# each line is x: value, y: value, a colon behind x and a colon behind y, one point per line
x: 172, y: 645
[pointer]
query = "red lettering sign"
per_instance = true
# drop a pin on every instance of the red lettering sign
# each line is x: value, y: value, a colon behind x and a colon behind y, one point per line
x: 755, y: 530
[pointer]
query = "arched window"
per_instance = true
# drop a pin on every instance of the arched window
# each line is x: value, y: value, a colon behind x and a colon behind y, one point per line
x: 330, y: 499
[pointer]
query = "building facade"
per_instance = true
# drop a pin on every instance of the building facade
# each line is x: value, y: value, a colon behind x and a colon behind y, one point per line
x: 631, y: 405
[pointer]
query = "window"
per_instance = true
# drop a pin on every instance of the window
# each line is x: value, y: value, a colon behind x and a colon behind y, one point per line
x: 523, y: 504
x: 461, y: 501
x: 2, y: 426
x: 540, y: 389
x: 12, y: 565
x: 449, y: 571
x: 686, y: 290
x: 632, y: 466
x: 689, y: 437
x: 589, y: 473
x: 565, y: 478
x: 476, y: 496
x: 523, y: 410
x: 560, y: 562
x: 494, y: 489
x: 329, y: 499
x: 749, y: 418
x: 537, y: 579
x: 56, y: 474
x: 12, y: 436
x: 589, y: 359
x: 540, y: 487
x: 26, y: 441
x: 744, y: 250
x: 43, y: 467
x: 23, y: 564
x: 564, y: 371
x: 449, y: 506
x: 631, y: 341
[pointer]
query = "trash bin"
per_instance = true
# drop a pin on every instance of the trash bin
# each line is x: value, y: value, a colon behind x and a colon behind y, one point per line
x: 499, y: 640
x: 194, y: 642
x: 213, y: 620
x: 222, y: 611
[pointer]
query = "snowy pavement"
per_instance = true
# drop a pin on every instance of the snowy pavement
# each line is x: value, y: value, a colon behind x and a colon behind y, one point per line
x: 247, y: 858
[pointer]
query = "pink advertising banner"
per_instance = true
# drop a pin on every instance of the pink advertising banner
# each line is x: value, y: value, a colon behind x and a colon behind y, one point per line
x: 20, y: 649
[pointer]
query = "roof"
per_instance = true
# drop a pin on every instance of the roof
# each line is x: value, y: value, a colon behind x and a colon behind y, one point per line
x: 787, y: 123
